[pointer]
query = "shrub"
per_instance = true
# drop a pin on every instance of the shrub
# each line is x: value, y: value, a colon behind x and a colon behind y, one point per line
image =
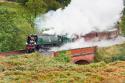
x: 62, y: 58
x: 118, y: 58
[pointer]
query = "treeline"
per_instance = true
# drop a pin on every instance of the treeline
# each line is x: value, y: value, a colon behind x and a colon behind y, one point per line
x: 122, y: 22
x: 38, y: 6
x: 17, y: 20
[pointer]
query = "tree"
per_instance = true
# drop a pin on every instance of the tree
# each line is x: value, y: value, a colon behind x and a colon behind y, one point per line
x: 36, y: 6
x: 13, y: 30
x: 122, y: 25
x: 22, y: 1
x: 64, y: 2
x: 52, y: 4
x: 41, y: 6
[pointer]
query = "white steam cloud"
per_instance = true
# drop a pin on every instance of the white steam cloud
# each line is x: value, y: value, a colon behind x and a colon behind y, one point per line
x: 81, y: 44
x: 82, y: 17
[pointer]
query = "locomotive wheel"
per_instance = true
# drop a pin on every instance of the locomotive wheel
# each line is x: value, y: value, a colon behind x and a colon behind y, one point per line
x: 28, y: 51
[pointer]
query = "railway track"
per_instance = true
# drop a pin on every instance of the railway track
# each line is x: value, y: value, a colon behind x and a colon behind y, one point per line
x: 12, y: 53
x: 78, y: 56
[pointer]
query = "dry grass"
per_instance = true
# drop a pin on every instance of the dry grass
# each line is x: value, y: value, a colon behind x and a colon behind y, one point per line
x: 35, y: 68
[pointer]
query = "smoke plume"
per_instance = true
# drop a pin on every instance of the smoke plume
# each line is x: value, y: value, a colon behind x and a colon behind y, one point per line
x: 82, y: 17
x: 81, y: 44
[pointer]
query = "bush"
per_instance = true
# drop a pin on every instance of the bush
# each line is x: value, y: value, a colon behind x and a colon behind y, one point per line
x: 118, y: 58
x: 62, y: 58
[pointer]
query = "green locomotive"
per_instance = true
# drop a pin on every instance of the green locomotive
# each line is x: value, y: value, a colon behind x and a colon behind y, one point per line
x: 45, y: 41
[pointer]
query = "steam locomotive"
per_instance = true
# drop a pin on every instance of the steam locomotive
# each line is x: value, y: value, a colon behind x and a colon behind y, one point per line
x: 45, y: 42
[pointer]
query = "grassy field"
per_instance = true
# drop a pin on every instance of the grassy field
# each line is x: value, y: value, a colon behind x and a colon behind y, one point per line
x: 37, y: 68
x: 111, y: 54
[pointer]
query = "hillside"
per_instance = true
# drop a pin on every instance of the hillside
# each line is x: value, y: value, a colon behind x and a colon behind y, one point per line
x: 17, y: 22
x: 36, y: 68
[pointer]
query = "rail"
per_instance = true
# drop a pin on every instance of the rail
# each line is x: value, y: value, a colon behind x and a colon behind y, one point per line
x: 12, y: 53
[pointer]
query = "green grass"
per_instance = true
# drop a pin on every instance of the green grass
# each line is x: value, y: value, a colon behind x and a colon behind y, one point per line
x: 111, y: 54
